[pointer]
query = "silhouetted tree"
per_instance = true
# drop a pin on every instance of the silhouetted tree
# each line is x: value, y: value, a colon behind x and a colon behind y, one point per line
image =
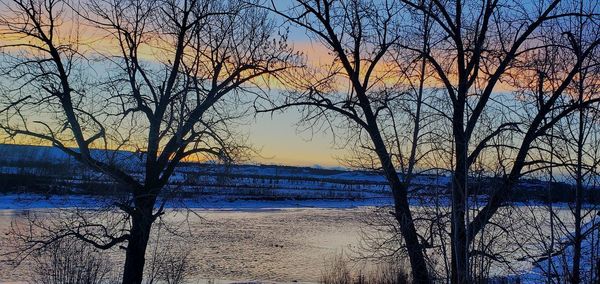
x: 380, y: 112
x: 478, y: 44
x: 166, y: 84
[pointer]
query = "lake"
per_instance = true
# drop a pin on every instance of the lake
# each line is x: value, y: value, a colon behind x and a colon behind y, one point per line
x: 282, y: 245
x: 285, y: 242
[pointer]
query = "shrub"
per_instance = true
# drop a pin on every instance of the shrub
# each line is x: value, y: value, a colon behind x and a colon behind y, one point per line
x: 338, y: 271
x: 70, y: 261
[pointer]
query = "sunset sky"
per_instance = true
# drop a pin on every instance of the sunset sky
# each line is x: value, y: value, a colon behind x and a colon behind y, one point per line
x: 280, y: 139
x: 276, y: 136
x: 281, y: 142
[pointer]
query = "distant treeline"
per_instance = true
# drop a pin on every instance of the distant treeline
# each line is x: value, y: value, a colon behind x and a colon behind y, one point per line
x: 60, y: 181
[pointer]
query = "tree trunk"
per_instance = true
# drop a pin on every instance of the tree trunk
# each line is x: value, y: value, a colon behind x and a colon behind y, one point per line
x: 598, y: 270
x: 402, y: 212
x: 459, y: 236
x: 413, y: 246
x: 576, y: 279
x: 459, y: 242
x: 141, y: 224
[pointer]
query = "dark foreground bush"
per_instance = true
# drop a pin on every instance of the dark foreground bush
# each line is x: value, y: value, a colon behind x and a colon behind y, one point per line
x: 71, y: 262
x: 339, y: 270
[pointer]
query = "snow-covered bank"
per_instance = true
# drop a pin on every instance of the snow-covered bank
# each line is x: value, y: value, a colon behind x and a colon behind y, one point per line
x: 561, y: 259
x: 34, y: 201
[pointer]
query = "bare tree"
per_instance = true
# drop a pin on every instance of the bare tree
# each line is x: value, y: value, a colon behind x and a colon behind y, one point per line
x: 578, y: 131
x: 477, y: 44
x: 557, y: 88
x: 166, y: 86
x: 379, y: 114
x: 574, y: 141
x: 473, y: 47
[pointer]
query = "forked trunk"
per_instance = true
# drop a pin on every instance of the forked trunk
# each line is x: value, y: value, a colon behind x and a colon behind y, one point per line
x: 403, y: 214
